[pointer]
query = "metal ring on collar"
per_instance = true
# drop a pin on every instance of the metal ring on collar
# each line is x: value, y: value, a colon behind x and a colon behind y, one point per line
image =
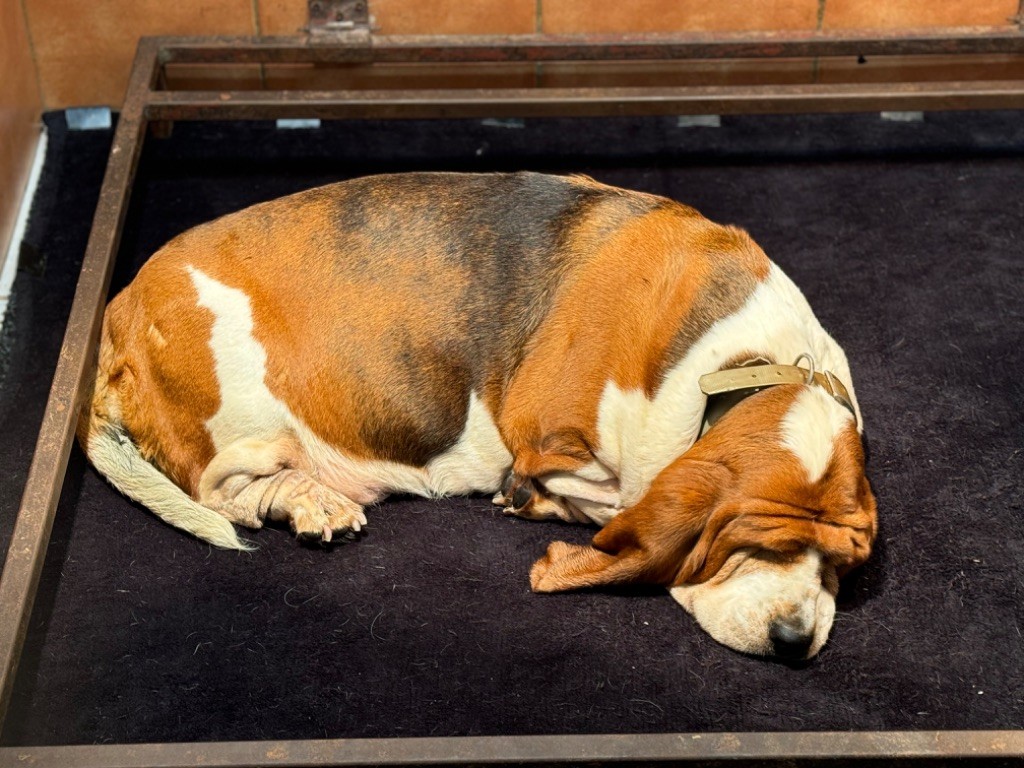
x: 810, y: 359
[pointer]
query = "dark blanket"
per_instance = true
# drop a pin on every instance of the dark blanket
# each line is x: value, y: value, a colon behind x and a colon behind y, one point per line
x: 908, y: 240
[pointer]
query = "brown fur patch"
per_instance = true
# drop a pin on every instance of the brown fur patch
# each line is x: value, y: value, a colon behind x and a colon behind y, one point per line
x: 157, y: 367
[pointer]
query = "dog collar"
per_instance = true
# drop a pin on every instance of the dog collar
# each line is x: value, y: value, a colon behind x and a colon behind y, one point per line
x: 726, y: 388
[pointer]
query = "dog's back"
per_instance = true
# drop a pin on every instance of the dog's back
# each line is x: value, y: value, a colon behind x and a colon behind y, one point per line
x: 373, y: 321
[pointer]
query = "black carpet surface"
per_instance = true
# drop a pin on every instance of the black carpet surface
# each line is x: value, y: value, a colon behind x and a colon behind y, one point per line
x: 907, y: 238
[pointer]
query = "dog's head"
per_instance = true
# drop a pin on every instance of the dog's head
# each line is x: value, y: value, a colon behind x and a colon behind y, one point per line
x: 750, y: 529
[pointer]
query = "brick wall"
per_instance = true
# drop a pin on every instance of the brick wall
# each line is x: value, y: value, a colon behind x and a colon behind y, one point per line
x: 83, y: 50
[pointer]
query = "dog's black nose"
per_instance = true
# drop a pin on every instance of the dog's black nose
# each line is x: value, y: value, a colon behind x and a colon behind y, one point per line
x: 789, y: 642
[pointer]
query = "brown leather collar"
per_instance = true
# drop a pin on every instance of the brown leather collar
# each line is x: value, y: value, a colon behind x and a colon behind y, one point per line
x: 726, y: 388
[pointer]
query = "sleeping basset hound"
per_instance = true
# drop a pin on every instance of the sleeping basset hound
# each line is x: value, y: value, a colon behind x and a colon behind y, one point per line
x: 560, y: 342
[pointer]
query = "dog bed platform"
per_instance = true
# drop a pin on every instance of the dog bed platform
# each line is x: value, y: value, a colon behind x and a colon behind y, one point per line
x: 906, y: 237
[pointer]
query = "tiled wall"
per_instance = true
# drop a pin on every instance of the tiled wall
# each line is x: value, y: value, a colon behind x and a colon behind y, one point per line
x: 19, y: 114
x: 83, y: 49
x: 59, y: 53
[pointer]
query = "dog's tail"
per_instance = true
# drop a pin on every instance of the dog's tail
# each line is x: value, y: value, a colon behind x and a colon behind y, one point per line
x: 110, y: 448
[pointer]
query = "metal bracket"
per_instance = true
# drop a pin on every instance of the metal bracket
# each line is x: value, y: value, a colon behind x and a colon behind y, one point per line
x: 1018, y: 19
x: 334, y: 20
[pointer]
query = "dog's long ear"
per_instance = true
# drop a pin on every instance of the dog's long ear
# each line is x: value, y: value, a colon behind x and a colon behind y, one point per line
x: 738, y: 525
x: 644, y: 544
x: 843, y: 538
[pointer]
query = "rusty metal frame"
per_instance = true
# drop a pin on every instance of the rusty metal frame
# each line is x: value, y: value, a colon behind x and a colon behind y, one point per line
x: 146, y: 103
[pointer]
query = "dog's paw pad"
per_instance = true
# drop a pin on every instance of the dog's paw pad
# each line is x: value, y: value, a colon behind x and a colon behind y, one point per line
x: 522, y: 496
x: 310, y: 538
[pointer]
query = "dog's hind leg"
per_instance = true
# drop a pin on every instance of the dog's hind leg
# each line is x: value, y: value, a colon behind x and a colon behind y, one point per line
x: 252, y: 480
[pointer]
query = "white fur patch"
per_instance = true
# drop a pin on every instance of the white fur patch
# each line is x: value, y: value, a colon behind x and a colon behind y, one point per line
x: 810, y: 427
x: 640, y: 437
x: 477, y: 462
x: 591, y: 489
x: 605, y: 492
x: 247, y: 408
x: 248, y: 411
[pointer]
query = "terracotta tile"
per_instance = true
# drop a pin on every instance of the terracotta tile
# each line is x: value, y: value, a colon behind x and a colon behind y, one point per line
x: 17, y: 145
x: 920, y: 68
x: 610, y: 16
x: 454, y: 17
x: 84, y: 50
x: 397, y: 76
x: 19, y: 115
x: 659, y: 73
x: 889, y: 14
x: 282, y: 17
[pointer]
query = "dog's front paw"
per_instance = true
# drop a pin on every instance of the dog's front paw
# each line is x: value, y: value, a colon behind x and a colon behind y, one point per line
x: 321, y: 516
x: 517, y: 495
x: 527, y: 498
